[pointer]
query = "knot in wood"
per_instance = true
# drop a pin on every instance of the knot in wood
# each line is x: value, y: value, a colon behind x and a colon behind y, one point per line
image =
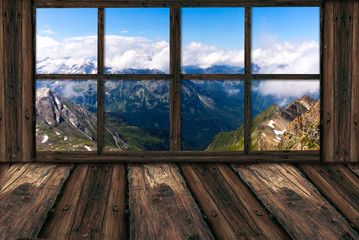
x: 115, y: 208
x: 66, y: 208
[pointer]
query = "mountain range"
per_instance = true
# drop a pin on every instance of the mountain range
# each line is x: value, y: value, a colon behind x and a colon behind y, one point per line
x: 209, y: 108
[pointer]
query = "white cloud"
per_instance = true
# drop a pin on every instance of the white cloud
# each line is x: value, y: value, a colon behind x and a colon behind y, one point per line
x: 288, y: 57
x: 139, y: 52
x: 48, y: 31
x: 124, y: 31
x: 205, y: 56
x: 285, y: 90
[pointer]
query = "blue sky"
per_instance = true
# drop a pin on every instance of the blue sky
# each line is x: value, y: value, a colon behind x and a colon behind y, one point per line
x: 204, y: 25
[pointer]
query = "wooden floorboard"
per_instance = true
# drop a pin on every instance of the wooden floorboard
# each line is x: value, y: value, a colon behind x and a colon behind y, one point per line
x: 92, y: 205
x: 27, y: 194
x: 161, y: 206
x: 296, y: 204
x: 4, y: 167
x: 354, y: 168
x: 232, y: 210
x: 338, y: 184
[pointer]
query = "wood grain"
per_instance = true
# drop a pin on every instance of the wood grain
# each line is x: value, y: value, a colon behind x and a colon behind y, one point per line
x: 247, y: 83
x: 174, y: 3
x: 161, y: 207
x: 354, y: 118
x: 343, y: 46
x: 100, y: 80
x: 12, y: 76
x: 175, y: 82
x: 327, y: 117
x: 180, y: 156
x: 2, y: 90
x: 4, y: 167
x: 354, y: 168
x: 292, y: 199
x: 28, y: 192
x: 27, y: 118
x: 92, y: 205
x: 232, y: 210
x: 338, y: 184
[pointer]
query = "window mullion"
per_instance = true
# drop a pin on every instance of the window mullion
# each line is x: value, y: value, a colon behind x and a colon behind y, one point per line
x: 247, y: 83
x: 175, y: 82
x: 100, y: 83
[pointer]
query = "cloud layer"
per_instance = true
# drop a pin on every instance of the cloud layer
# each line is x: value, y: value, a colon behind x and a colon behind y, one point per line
x: 72, y: 54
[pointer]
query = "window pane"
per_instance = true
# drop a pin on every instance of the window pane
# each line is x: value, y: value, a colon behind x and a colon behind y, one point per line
x: 137, y: 40
x: 285, y: 40
x: 66, y: 41
x: 213, y: 40
x: 210, y: 110
x: 66, y: 115
x: 285, y: 115
x: 136, y: 115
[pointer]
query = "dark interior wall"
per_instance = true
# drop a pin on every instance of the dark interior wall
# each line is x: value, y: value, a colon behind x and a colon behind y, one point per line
x: 340, y: 133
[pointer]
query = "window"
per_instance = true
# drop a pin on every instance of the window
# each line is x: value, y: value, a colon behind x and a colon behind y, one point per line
x: 174, y: 83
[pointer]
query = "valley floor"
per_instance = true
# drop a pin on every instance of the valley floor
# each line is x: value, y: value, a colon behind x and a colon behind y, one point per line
x: 184, y: 201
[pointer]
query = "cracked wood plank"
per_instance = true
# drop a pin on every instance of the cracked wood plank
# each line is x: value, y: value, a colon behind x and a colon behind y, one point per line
x: 27, y: 194
x: 232, y: 210
x: 161, y: 206
x: 339, y: 185
x: 295, y: 202
x: 92, y: 205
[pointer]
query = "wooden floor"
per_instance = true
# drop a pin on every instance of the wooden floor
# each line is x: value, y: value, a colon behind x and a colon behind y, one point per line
x: 186, y: 201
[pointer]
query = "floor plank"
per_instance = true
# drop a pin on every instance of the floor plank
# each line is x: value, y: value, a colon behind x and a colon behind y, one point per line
x: 4, y: 167
x: 92, y: 205
x: 161, y: 206
x: 28, y: 193
x: 354, y: 168
x: 232, y: 210
x: 339, y: 185
x: 297, y: 205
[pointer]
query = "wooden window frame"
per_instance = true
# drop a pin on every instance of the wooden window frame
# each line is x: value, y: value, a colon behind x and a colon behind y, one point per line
x: 175, y: 154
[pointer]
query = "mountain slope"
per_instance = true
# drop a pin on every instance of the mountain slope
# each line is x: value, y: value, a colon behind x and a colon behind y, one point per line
x: 234, y: 140
x: 294, y: 128
x: 64, y: 126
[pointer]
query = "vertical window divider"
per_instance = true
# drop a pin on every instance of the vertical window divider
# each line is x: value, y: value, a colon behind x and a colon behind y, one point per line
x: 247, y: 83
x: 175, y: 81
x: 100, y: 81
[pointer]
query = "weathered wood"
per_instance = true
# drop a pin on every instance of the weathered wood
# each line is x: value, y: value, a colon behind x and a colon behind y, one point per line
x: 354, y: 119
x: 292, y: 199
x: 354, y: 168
x: 174, y: 3
x: 327, y: 117
x: 92, y: 205
x: 28, y: 191
x: 175, y: 82
x: 247, y: 83
x: 12, y: 74
x: 338, y: 184
x: 161, y: 206
x: 232, y: 210
x: 180, y: 156
x: 2, y: 93
x: 343, y: 46
x: 27, y: 82
x: 100, y: 80
x: 4, y: 167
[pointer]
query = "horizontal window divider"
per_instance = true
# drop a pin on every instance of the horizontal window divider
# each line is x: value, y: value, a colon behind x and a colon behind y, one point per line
x: 65, y: 76
x: 180, y: 156
x: 212, y: 76
x: 137, y: 76
x: 174, y: 3
x: 284, y: 76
